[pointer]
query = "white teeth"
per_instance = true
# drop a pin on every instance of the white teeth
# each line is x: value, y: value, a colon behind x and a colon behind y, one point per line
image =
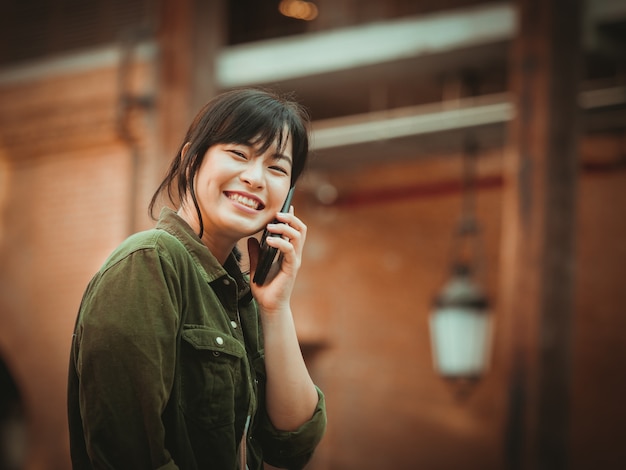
x: 244, y: 200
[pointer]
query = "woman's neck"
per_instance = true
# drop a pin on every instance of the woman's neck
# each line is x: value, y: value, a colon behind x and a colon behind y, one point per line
x: 220, y: 247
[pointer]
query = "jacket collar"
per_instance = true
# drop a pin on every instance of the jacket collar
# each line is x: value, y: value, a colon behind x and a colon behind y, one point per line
x: 172, y: 223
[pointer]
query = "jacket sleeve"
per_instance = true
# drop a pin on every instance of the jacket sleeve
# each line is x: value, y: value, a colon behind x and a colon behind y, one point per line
x: 125, y: 359
x: 292, y: 449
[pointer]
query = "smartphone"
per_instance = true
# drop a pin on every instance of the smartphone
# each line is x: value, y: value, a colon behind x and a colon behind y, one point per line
x: 268, y: 253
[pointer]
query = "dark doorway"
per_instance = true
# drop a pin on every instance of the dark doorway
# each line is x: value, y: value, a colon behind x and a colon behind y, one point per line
x: 12, y: 423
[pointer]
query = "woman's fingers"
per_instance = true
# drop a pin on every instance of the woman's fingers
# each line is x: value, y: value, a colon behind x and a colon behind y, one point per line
x: 291, y: 233
x: 290, y: 226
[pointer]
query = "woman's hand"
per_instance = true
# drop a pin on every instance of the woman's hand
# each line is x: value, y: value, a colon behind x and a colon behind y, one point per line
x: 275, y: 293
x: 291, y: 396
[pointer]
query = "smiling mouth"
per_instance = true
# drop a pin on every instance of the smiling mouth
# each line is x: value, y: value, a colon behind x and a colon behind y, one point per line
x: 245, y: 201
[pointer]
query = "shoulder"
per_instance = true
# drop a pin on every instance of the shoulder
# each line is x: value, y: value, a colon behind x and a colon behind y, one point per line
x: 154, y: 243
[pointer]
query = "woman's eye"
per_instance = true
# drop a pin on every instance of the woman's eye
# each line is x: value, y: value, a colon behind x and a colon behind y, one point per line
x: 280, y: 169
x: 239, y: 154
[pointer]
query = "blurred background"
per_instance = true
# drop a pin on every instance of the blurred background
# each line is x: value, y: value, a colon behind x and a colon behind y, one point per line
x: 461, y: 300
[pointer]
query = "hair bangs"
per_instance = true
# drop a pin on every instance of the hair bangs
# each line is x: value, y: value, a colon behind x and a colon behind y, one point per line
x: 261, y: 126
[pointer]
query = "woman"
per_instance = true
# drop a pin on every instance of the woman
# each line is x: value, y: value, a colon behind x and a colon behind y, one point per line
x: 177, y: 361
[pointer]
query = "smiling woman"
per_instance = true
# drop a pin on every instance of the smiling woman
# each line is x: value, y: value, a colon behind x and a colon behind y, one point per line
x: 236, y: 191
x: 177, y: 360
x: 251, y: 122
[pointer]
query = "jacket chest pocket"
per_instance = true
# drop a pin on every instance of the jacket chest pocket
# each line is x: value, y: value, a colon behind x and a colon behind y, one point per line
x: 213, y: 377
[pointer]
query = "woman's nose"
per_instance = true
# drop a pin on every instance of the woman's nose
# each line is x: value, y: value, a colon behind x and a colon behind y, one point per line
x: 254, y: 173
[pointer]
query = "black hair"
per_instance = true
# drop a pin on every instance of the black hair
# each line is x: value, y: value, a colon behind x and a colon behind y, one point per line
x: 243, y: 116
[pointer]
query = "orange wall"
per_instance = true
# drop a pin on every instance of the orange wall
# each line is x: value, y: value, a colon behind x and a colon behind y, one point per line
x: 370, y: 274
x: 363, y: 298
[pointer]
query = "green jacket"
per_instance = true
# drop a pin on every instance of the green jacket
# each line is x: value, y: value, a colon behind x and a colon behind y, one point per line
x: 167, y: 367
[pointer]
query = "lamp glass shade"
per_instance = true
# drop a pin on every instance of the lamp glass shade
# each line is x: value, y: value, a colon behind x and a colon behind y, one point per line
x: 460, y: 328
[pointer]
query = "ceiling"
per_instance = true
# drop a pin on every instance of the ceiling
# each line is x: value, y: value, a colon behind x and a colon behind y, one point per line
x: 391, y: 80
x: 366, y: 75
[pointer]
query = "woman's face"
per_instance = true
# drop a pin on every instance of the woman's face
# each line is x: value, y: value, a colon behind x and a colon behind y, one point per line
x: 239, y: 190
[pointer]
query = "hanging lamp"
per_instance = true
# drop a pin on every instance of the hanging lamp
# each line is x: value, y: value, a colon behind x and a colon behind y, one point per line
x: 460, y: 321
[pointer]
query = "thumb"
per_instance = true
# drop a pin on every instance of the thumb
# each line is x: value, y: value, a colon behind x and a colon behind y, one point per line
x: 253, y: 253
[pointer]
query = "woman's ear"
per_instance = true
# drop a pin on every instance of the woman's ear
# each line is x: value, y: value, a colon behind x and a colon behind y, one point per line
x: 183, y: 152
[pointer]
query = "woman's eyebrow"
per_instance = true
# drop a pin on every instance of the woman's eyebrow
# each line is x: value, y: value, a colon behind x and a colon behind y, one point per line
x: 282, y: 156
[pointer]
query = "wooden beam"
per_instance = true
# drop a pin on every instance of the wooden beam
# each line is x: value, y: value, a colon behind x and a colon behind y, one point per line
x: 541, y: 172
x: 189, y: 35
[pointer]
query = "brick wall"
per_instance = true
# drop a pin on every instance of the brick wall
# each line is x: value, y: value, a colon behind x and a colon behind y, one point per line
x: 65, y: 205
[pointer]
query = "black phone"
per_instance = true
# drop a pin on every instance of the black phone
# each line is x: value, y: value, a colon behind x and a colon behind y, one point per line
x: 268, y: 253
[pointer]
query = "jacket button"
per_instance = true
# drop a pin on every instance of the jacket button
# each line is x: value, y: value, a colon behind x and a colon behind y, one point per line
x: 233, y: 324
x: 219, y: 340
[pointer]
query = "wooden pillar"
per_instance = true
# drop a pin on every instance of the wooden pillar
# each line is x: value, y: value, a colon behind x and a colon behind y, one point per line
x: 541, y: 172
x: 190, y: 34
